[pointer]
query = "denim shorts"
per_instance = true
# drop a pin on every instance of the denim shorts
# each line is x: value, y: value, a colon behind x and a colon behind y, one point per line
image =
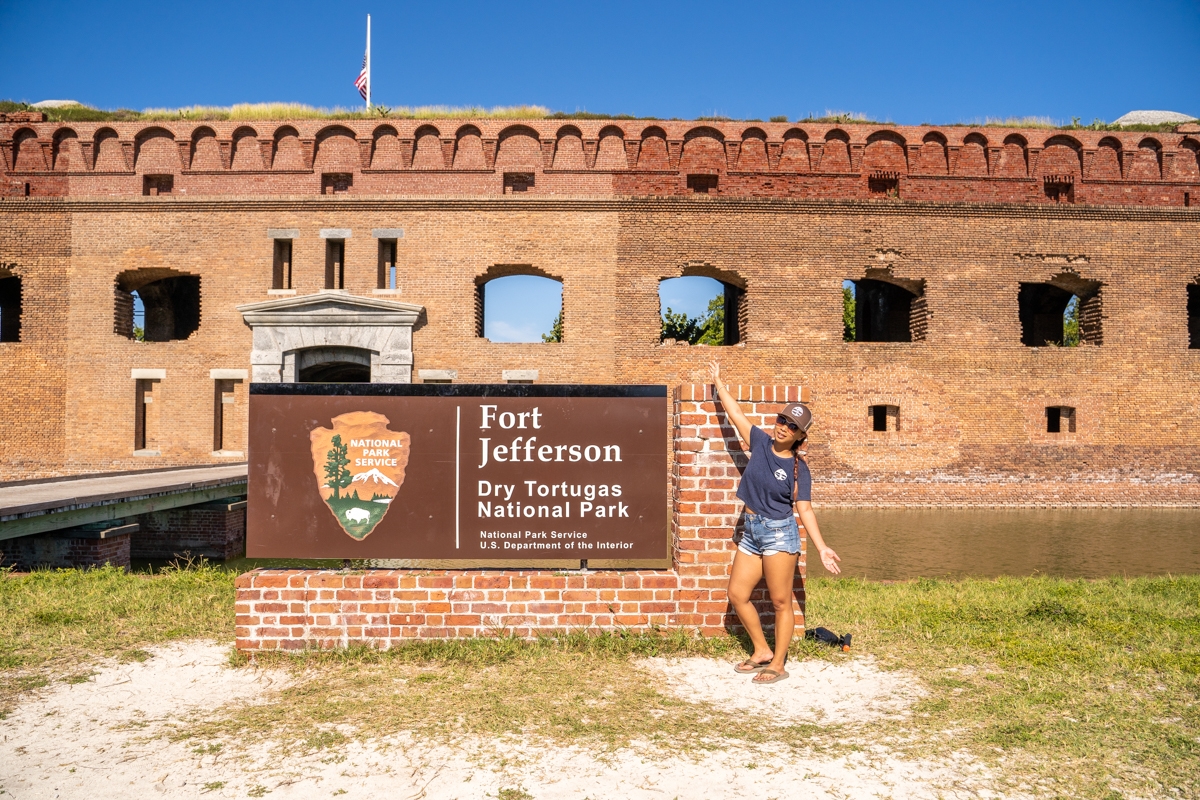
x: 767, y: 537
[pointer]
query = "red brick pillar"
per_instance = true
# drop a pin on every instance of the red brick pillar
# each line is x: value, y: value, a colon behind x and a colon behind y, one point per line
x: 709, y: 458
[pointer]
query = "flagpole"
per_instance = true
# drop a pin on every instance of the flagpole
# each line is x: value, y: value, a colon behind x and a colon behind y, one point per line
x: 368, y: 61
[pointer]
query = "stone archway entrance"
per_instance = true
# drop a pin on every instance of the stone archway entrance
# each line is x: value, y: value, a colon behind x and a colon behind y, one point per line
x: 333, y: 337
x: 333, y: 365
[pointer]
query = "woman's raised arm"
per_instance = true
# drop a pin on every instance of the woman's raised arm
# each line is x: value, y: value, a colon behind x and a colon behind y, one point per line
x: 732, y: 409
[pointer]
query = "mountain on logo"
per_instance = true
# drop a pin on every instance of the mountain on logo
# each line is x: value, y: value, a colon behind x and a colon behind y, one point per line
x: 375, y: 476
x: 359, y: 502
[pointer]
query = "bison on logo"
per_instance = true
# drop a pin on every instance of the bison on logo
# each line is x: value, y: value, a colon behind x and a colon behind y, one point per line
x: 359, y: 465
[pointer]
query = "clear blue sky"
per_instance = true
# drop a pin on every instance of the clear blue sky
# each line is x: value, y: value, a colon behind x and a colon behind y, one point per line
x: 934, y: 61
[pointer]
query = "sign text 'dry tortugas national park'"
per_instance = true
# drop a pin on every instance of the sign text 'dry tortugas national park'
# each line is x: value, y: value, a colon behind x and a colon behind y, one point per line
x: 462, y: 472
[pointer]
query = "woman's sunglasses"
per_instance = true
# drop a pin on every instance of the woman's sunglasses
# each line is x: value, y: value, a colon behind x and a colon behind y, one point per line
x: 782, y: 420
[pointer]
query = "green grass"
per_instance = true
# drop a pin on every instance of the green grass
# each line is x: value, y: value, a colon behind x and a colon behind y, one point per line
x: 54, y: 622
x: 1081, y: 683
x: 1066, y: 687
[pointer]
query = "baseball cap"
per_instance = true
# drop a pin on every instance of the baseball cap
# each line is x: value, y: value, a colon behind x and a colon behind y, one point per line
x: 799, y: 414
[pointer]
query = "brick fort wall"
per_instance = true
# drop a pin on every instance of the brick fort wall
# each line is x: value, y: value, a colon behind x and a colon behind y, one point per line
x: 796, y: 210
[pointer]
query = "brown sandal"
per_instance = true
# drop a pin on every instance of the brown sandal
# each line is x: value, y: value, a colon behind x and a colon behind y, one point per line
x: 750, y: 666
x: 771, y: 676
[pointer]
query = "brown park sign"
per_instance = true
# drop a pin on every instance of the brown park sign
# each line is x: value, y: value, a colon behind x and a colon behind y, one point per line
x: 460, y: 471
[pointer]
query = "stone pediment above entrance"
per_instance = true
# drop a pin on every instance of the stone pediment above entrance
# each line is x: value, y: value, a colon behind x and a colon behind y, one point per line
x: 330, y: 330
x: 330, y: 308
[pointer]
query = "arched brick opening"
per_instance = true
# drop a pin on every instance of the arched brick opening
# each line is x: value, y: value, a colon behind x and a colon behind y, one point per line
x: 888, y: 308
x: 1106, y: 163
x: 468, y: 148
x: 498, y: 272
x: 385, y: 149
x: 610, y: 154
x: 154, y: 151
x: 568, y: 148
x: 733, y: 306
x: 10, y: 306
x: 753, y: 152
x: 1042, y: 309
x: 835, y: 156
x: 931, y: 159
x: 27, y: 152
x: 66, y: 152
x: 247, y: 155
x: 289, y: 152
x: 1014, y: 157
x: 171, y: 300
x: 206, y: 152
x: 653, y: 152
x: 972, y: 156
x: 793, y: 157
x: 428, y: 152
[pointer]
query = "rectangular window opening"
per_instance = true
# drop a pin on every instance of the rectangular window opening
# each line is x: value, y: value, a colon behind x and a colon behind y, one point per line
x: 884, y: 184
x: 335, y: 263
x: 1059, y: 189
x: 1187, y: 199
x: 702, y: 184
x: 223, y: 404
x: 154, y: 185
x: 336, y: 182
x: 10, y: 307
x: 884, y: 418
x: 144, y: 430
x: 281, y: 272
x: 386, y: 278
x: 515, y: 182
x: 1060, y: 419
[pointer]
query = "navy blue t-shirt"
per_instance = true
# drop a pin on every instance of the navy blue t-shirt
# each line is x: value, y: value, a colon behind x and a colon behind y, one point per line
x: 766, y: 486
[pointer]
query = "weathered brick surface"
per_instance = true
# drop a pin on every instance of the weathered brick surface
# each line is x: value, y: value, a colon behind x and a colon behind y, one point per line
x: 211, y: 530
x: 792, y: 217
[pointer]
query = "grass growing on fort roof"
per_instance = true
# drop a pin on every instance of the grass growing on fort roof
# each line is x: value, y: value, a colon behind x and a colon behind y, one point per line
x: 1067, y: 687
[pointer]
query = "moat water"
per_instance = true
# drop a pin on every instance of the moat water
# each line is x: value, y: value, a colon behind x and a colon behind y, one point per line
x: 895, y: 544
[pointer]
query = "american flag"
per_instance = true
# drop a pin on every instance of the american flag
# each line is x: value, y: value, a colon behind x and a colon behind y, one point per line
x: 360, y: 82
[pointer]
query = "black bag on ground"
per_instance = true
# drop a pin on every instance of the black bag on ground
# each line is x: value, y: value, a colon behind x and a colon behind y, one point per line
x: 829, y: 637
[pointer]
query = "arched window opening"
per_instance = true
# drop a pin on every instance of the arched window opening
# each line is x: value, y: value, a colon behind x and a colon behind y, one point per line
x: 1065, y: 311
x: 518, y: 303
x: 164, y: 305
x: 883, y: 308
x: 1193, y: 315
x: 10, y: 307
x: 333, y: 365
x: 702, y: 309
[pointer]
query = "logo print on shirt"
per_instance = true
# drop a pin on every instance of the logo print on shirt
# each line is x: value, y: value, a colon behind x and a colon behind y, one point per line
x: 780, y: 475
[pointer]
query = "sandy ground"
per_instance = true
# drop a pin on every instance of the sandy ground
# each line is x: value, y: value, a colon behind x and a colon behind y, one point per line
x: 98, y: 740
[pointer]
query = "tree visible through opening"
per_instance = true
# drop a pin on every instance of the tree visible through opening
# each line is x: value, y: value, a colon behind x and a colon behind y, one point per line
x: 521, y: 308
x: 700, y: 310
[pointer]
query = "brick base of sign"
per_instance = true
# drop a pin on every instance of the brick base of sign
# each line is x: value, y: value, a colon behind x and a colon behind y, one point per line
x: 297, y: 609
x: 214, y: 530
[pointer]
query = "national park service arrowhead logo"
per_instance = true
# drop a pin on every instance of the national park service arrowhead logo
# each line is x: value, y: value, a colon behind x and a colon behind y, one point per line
x: 359, y: 465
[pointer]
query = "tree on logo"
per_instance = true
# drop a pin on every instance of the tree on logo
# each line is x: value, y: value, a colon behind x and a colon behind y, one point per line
x: 336, y: 473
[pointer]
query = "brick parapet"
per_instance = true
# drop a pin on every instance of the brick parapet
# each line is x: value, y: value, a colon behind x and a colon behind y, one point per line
x: 600, y: 158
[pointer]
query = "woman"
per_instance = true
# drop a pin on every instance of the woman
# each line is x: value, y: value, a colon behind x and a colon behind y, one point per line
x: 775, y: 484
